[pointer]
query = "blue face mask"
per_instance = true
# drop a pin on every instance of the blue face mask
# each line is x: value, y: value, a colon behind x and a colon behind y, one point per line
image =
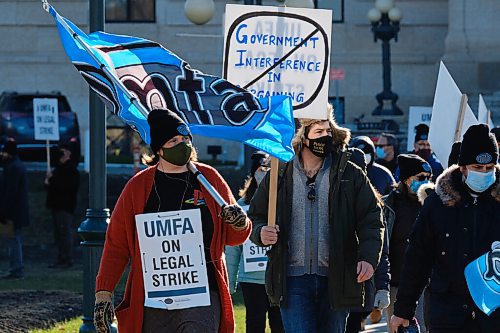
x: 379, y: 151
x: 480, y: 181
x: 415, y: 185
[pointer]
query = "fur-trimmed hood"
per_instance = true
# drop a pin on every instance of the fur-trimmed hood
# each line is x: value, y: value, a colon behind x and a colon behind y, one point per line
x: 424, y: 191
x: 450, y: 187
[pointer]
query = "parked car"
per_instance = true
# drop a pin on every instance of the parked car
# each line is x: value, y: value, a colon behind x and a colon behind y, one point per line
x: 16, y: 121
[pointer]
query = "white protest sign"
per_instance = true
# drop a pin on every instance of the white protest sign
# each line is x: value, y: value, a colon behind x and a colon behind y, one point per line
x: 418, y: 115
x: 254, y: 257
x: 446, y: 114
x: 46, y: 119
x: 173, y: 259
x: 483, y: 115
x: 280, y: 51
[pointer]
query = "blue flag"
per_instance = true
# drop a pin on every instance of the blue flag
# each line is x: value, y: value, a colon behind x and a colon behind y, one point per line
x: 157, y: 78
x: 483, y: 279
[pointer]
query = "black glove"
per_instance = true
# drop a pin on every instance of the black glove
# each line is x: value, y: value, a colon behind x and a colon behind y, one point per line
x: 235, y: 216
x: 103, y: 312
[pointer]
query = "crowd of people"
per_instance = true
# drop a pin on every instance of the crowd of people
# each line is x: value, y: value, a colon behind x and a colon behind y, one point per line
x: 361, y: 230
x: 360, y: 227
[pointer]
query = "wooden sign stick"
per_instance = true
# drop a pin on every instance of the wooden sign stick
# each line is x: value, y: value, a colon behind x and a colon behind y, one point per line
x: 47, y: 146
x: 273, y: 192
x: 460, y: 119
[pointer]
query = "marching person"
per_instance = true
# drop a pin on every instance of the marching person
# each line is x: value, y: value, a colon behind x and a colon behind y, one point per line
x: 328, y: 235
x: 169, y: 186
x: 496, y: 132
x: 252, y: 283
x: 377, y: 288
x: 457, y: 224
x: 14, y: 205
x: 62, y: 189
x: 380, y: 177
x: 401, y: 208
x: 387, y: 151
x: 422, y: 148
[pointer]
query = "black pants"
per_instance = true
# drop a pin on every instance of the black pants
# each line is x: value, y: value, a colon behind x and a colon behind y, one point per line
x: 63, y: 227
x: 353, y: 324
x: 257, y: 304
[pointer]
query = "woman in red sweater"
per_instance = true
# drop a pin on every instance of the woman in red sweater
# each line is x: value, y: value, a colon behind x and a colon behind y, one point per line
x: 169, y: 186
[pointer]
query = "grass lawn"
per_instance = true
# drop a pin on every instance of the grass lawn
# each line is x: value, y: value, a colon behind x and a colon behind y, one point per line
x: 39, y: 277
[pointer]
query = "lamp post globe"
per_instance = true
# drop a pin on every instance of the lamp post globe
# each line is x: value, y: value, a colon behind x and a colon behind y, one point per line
x: 199, y: 11
x: 395, y: 14
x: 374, y: 15
x: 384, y: 5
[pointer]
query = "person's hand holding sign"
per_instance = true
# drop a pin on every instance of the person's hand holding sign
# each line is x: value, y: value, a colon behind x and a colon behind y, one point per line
x: 235, y: 216
x: 269, y: 234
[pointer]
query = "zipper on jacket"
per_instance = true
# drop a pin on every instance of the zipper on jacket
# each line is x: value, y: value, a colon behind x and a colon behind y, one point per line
x: 311, y: 240
x: 474, y: 226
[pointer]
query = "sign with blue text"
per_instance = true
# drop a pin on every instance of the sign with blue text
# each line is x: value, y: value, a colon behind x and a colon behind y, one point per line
x: 173, y: 259
x: 280, y: 51
x: 46, y: 119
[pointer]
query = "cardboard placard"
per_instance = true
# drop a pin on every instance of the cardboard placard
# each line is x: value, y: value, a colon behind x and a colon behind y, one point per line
x: 417, y: 115
x: 46, y: 119
x: 446, y: 116
x: 254, y: 257
x: 280, y: 51
x: 173, y: 259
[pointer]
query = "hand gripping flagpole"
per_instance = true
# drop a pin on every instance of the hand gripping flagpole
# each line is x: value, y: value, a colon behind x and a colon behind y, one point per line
x: 213, y: 192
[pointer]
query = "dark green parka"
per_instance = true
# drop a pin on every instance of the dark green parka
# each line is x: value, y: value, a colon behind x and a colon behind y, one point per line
x: 356, y: 229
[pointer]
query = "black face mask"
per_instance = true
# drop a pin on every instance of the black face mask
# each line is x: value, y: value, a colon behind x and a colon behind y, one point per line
x: 321, y: 146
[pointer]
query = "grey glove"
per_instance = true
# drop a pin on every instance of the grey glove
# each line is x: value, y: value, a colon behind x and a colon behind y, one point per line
x: 235, y: 216
x: 103, y: 312
x: 382, y: 299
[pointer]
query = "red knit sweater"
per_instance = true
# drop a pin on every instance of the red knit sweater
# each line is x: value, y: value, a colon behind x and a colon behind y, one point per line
x: 122, y: 247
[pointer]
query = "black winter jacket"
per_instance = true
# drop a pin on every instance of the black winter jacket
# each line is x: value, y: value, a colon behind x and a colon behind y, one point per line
x: 14, y: 193
x: 63, y: 187
x: 356, y: 231
x: 452, y: 229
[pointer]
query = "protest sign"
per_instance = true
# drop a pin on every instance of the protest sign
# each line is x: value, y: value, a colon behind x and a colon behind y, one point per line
x: 46, y: 119
x: 173, y: 259
x: 450, y: 114
x: 254, y: 257
x: 280, y: 51
x: 483, y: 114
x: 418, y: 115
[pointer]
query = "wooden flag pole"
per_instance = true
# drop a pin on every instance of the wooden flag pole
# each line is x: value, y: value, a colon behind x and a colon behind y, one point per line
x: 48, y: 155
x: 273, y: 192
x: 460, y: 119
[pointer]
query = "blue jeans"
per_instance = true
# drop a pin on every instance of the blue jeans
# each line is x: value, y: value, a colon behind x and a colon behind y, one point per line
x: 308, y: 307
x: 16, y: 254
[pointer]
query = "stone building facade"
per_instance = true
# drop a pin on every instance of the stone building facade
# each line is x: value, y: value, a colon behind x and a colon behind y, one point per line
x: 461, y: 33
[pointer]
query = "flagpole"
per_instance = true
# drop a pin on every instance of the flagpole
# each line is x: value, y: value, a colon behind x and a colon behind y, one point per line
x: 213, y: 192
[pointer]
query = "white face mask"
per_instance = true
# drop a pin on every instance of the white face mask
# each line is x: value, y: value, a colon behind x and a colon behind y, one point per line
x: 368, y: 158
x: 480, y: 181
x: 259, y: 175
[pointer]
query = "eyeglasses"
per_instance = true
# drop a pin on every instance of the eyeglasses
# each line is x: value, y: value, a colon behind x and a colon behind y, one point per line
x: 423, y: 177
x: 311, y: 195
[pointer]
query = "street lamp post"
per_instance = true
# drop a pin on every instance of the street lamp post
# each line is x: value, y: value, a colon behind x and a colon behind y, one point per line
x: 385, y: 20
x: 93, y: 229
